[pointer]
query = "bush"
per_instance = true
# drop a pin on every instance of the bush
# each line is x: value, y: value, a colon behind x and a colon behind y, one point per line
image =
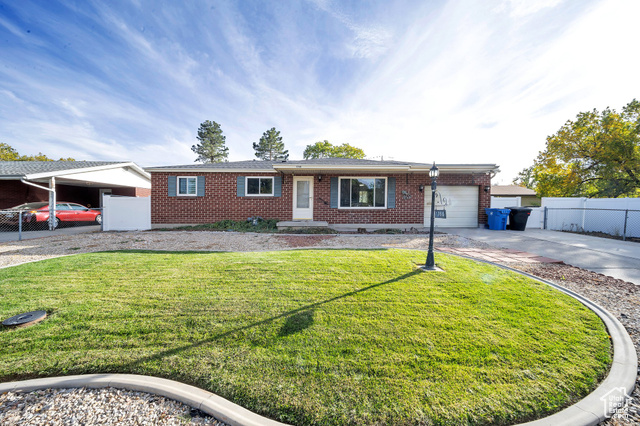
x: 262, y: 225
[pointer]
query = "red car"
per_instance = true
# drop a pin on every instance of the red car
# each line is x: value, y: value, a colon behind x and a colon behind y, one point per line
x: 65, y: 212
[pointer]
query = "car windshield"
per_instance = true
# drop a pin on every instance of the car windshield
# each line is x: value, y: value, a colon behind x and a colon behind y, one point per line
x: 29, y: 206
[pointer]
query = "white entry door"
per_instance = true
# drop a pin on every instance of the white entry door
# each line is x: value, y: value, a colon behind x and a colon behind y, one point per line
x: 303, y: 198
x: 459, y: 202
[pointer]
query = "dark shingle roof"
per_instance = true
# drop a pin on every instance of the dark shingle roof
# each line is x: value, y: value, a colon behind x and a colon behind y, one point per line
x: 251, y: 164
x: 22, y: 168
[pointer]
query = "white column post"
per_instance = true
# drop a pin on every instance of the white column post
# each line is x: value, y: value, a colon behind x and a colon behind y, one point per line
x: 52, y: 202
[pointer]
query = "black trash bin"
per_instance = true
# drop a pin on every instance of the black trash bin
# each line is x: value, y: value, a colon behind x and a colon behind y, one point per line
x: 518, y: 218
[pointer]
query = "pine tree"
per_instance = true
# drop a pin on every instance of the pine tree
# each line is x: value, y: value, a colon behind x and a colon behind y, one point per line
x: 270, y: 147
x: 211, y: 148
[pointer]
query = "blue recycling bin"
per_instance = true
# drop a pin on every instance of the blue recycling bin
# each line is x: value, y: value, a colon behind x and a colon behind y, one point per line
x: 497, y: 218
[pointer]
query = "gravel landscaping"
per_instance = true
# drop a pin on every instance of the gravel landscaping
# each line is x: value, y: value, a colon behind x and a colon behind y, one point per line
x: 108, y: 406
x: 618, y: 297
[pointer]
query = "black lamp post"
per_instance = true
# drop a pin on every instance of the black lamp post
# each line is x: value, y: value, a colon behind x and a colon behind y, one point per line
x: 433, y: 173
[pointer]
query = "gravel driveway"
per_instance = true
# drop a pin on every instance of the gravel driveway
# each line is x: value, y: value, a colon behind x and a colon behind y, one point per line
x: 618, y: 297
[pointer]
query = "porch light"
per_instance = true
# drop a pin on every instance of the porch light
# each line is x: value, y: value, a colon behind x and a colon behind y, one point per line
x: 434, y: 172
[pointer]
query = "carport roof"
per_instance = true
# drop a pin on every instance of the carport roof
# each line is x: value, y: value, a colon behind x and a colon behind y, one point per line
x: 24, y: 168
x: 79, y: 173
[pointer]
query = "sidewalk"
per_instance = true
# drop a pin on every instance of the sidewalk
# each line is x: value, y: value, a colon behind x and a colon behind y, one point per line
x: 618, y: 259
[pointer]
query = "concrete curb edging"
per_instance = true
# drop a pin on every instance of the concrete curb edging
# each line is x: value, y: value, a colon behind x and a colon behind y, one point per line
x: 619, y: 383
x: 207, y: 402
x: 589, y: 411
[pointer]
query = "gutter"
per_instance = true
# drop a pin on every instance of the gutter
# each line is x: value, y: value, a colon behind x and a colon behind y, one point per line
x: 23, y: 180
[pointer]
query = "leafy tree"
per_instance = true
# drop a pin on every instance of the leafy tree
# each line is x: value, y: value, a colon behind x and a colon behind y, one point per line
x: 318, y: 150
x: 8, y: 153
x: 347, y: 151
x: 325, y: 149
x: 270, y: 147
x: 525, y: 178
x: 597, y: 155
x: 211, y: 148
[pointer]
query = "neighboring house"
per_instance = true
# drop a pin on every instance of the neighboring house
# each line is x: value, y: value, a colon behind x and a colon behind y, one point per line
x: 338, y: 192
x: 527, y: 196
x: 80, y: 182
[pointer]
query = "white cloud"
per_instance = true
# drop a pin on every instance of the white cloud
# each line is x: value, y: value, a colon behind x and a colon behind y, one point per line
x: 522, y: 8
x: 369, y: 40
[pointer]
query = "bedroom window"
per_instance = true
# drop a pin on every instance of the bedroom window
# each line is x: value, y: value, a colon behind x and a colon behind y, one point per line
x: 365, y: 193
x: 259, y: 186
x: 187, y: 185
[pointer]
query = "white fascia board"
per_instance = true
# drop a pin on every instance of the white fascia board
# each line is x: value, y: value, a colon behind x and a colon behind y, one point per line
x: 201, y: 170
x: 68, y: 173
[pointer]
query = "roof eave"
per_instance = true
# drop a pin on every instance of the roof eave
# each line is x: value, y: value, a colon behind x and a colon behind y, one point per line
x: 67, y: 172
x: 205, y: 170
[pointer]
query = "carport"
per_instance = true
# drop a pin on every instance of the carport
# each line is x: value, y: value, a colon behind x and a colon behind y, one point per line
x: 81, y: 182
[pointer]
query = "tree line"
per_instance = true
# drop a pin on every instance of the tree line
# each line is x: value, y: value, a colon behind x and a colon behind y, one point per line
x: 211, y: 146
x: 8, y: 153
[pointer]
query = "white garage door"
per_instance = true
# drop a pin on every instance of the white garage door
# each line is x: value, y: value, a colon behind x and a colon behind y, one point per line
x: 460, y: 203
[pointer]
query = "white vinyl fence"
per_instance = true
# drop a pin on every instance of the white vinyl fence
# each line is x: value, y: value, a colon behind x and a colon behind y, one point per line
x: 126, y: 213
x: 504, y: 202
x: 613, y: 216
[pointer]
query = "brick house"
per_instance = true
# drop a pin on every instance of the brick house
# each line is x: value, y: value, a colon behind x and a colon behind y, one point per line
x: 336, y: 192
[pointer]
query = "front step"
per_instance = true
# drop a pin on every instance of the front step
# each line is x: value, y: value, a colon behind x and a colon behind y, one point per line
x: 301, y: 224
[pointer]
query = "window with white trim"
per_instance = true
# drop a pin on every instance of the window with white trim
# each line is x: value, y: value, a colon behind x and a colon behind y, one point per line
x: 187, y: 185
x: 262, y: 186
x: 362, y: 192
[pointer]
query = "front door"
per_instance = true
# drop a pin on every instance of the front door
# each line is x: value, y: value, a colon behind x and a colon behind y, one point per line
x: 303, y: 198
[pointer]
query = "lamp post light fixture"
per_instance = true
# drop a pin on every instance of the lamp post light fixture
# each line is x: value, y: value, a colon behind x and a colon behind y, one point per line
x: 433, y: 173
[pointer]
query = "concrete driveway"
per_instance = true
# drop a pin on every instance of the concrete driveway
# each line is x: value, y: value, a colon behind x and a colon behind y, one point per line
x: 618, y: 259
x: 8, y: 236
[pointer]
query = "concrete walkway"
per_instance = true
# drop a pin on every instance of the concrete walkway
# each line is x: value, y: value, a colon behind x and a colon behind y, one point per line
x: 618, y: 259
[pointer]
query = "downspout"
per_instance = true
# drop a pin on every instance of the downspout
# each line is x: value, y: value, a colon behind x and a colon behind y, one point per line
x: 52, y: 197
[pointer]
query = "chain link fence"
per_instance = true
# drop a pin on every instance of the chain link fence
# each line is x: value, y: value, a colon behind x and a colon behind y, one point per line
x: 624, y: 224
x: 19, y: 222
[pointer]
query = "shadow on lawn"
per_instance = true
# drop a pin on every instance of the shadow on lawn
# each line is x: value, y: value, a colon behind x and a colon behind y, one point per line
x: 296, y: 321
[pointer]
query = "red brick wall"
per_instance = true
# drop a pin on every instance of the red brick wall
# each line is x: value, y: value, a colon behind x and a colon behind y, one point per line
x: 14, y: 192
x: 142, y: 192
x: 221, y: 201
x: 408, y: 210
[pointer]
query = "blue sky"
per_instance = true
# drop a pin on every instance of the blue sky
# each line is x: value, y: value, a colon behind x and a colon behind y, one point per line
x: 461, y: 81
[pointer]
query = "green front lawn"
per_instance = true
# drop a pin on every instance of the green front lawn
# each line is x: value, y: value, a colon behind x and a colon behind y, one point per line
x: 312, y: 336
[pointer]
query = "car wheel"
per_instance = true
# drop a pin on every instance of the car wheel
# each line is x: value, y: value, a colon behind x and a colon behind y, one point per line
x: 99, y: 219
x: 56, y: 223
